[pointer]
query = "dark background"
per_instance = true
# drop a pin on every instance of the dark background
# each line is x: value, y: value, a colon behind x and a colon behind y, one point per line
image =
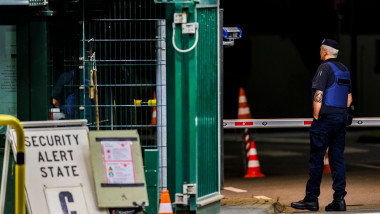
x: 279, y: 53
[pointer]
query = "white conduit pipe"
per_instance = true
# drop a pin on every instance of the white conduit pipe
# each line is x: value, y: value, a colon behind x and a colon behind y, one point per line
x: 189, y: 49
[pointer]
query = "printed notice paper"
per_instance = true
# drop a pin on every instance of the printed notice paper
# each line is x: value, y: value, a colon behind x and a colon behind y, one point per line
x: 118, y: 162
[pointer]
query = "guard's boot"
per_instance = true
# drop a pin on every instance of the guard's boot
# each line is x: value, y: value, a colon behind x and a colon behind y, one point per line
x: 306, y: 205
x: 338, y: 204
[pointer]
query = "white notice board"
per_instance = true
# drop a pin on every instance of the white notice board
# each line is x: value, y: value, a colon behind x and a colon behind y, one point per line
x: 118, y: 168
x: 58, y: 172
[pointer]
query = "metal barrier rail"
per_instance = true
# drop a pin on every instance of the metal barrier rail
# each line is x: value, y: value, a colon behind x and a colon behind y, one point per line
x: 20, y: 167
x: 54, y: 123
x: 292, y: 123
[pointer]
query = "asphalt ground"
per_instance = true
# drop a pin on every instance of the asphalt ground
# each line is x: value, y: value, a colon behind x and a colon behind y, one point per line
x: 283, y: 157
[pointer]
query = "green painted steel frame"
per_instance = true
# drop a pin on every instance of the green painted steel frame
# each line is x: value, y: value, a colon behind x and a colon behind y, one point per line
x: 193, y: 110
x: 207, y: 96
x: 32, y: 66
x: 39, y: 69
x: 151, y: 175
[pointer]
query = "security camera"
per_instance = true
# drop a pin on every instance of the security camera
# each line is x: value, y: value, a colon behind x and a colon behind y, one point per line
x: 231, y: 33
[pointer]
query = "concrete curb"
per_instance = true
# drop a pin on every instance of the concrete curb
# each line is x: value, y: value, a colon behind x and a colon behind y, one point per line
x: 250, y: 206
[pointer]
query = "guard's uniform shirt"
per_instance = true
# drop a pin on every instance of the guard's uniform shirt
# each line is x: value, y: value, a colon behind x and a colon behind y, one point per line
x: 328, y: 132
x: 66, y: 94
x: 325, y: 78
x: 59, y: 92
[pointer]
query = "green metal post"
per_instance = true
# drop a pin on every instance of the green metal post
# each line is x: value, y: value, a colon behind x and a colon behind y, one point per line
x: 171, y: 91
x: 192, y: 71
x: 185, y: 108
x: 38, y: 69
x: 179, y: 112
x: 151, y: 175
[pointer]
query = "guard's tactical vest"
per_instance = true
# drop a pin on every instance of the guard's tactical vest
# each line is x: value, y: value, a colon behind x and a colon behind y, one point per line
x: 336, y: 95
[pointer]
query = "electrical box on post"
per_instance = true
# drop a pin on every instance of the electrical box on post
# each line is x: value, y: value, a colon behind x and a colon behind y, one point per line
x: 118, y: 169
x: 189, y: 28
x: 180, y: 18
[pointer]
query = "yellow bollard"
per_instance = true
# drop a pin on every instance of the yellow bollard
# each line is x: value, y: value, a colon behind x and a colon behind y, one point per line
x: 20, y: 167
x: 137, y: 102
x: 152, y: 102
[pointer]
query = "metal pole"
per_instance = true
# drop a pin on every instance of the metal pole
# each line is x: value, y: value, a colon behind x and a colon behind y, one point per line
x: 82, y: 69
x: 292, y: 123
x: 221, y: 58
x: 20, y: 167
x: 54, y: 123
x: 161, y: 101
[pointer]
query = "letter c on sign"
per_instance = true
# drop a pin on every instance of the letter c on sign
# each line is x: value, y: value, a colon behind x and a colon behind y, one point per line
x: 69, y: 196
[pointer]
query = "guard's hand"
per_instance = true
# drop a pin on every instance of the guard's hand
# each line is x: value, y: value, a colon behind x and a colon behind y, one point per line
x: 350, y: 111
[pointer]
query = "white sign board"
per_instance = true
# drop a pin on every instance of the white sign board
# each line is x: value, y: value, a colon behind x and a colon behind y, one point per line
x: 69, y: 200
x: 58, y: 172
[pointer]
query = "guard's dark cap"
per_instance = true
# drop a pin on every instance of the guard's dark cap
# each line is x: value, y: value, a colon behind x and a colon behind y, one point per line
x: 331, y: 43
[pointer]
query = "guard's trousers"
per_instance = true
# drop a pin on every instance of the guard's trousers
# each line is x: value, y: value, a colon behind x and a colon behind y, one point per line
x: 327, y: 132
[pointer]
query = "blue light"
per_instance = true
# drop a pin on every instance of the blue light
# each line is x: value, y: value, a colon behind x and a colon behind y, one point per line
x: 232, y: 33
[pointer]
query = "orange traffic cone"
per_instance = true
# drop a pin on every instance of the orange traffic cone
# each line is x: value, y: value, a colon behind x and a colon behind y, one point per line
x: 154, y: 113
x: 165, y: 204
x: 243, y: 111
x: 253, y: 163
x: 326, y: 168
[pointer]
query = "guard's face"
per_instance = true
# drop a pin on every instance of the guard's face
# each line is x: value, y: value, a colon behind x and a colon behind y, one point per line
x: 323, y: 53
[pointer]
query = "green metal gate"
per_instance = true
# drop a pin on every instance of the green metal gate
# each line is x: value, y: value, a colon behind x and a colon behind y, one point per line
x: 194, y: 107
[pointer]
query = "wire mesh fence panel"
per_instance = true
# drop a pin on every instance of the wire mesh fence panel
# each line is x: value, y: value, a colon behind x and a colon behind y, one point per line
x: 123, y: 42
x: 117, y: 81
x: 123, y: 63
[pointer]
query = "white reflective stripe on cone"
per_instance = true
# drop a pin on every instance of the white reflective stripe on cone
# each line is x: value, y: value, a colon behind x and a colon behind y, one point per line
x: 165, y: 208
x: 253, y: 163
x: 252, y: 152
x: 326, y: 161
x: 243, y: 111
x: 242, y: 99
x: 154, y: 114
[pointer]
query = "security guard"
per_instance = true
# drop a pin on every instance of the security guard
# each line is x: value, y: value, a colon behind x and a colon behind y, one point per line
x: 66, y: 94
x: 332, y: 96
x: 64, y: 91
